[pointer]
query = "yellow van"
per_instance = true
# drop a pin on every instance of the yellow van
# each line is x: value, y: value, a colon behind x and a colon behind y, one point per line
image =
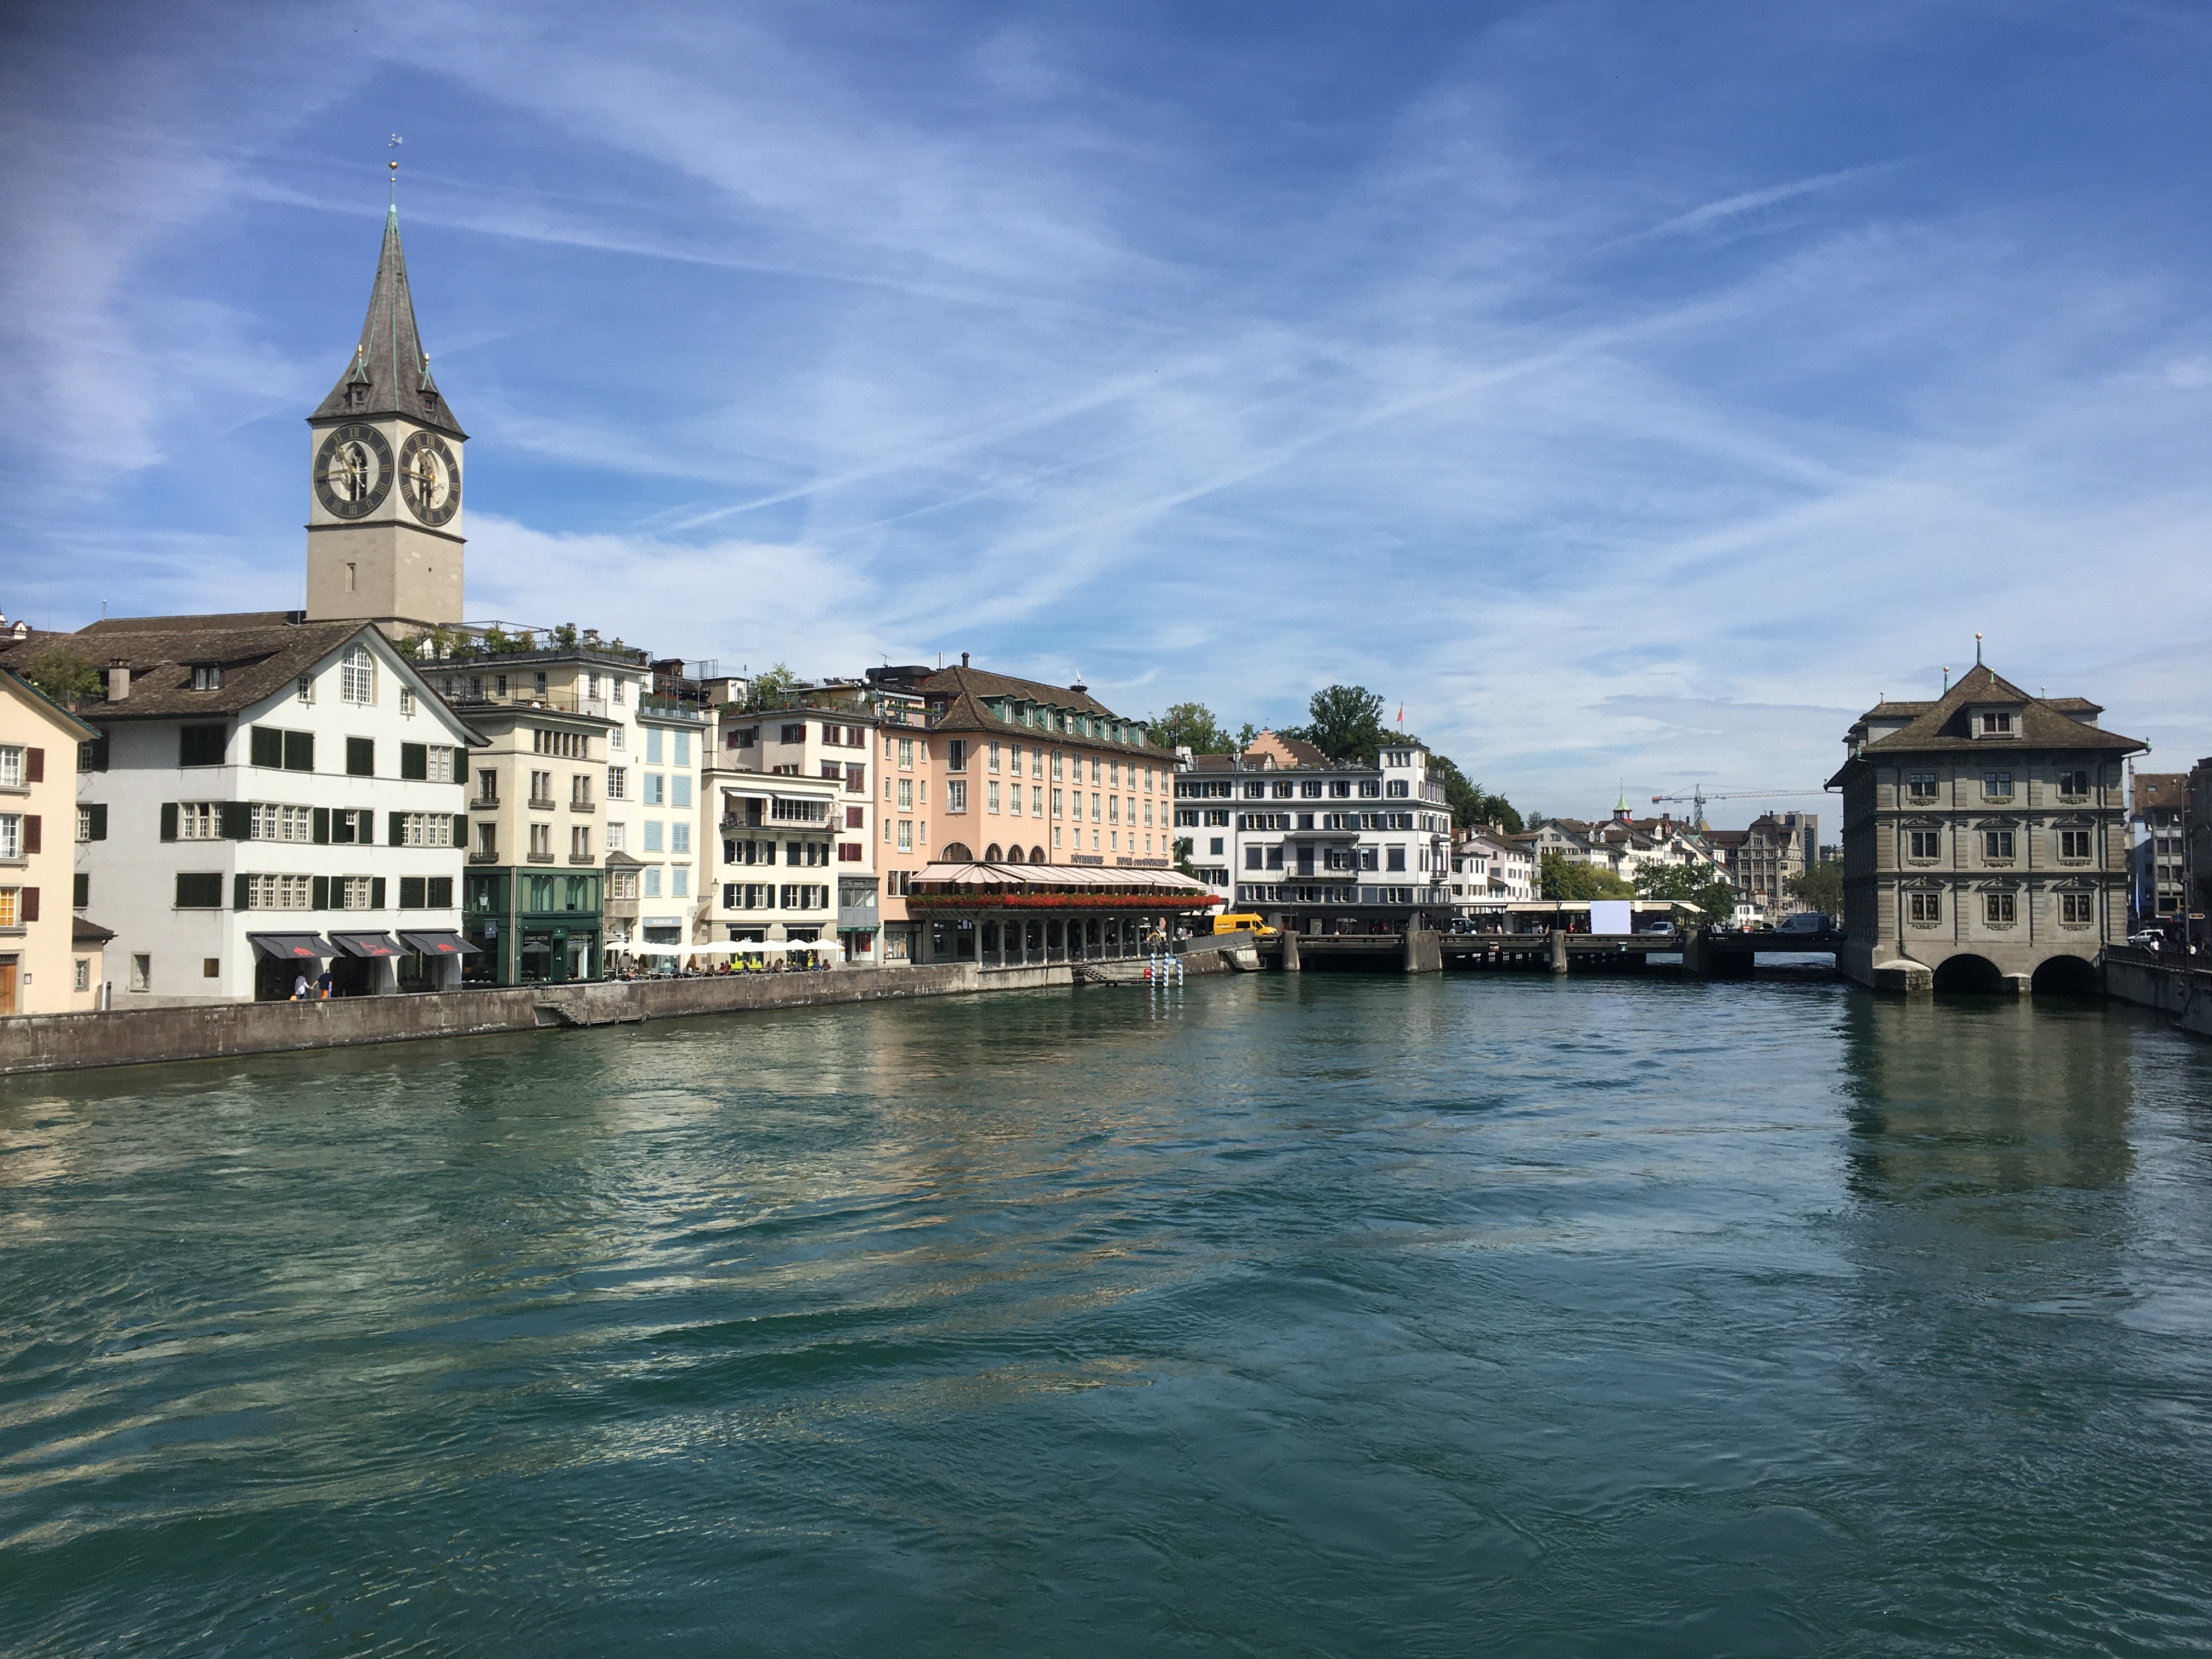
x: 1243, y: 922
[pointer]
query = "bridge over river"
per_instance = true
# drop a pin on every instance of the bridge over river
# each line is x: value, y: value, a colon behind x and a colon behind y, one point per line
x: 1704, y: 952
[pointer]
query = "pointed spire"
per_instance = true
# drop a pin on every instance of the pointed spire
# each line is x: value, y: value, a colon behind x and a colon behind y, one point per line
x: 390, y: 374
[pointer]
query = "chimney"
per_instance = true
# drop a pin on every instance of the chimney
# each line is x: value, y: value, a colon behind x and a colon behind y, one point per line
x: 963, y: 659
x: 118, y: 680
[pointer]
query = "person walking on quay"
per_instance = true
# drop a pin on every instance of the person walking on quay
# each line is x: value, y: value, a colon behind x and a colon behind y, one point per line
x: 323, y: 984
x: 300, y: 987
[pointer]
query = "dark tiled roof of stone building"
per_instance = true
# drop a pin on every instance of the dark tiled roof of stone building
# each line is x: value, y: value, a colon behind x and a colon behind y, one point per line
x: 2045, y: 723
x: 389, y: 372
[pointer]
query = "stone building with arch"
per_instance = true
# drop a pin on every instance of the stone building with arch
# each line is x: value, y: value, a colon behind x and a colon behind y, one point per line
x: 1985, y: 840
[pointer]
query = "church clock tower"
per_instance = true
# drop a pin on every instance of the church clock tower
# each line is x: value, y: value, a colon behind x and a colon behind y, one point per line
x: 384, y: 516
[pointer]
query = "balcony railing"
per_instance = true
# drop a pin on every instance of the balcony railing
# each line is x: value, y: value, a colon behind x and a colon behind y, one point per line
x: 543, y: 804
x: 582, y: 857
x: 538, y: 858
x: 583, y: 807
x: 484, y: 803
x: 483, y: 858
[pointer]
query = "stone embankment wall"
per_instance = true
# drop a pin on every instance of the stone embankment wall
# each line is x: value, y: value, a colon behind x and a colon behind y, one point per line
x: 2139, y: 976
x: 140, y: 1037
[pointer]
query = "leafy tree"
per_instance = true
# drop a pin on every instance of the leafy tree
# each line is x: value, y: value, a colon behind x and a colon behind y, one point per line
x: 771, y: 687
x: 1563, y: 878
x: 1471, y: 803
x: 1245, y: 734
x: 62, y: 672
x: 1182, y: 848
x: 1190, y: 724
x: 1818, y: 888
x: 1683, y: 883
x: 565, y: 633
x: 1347, y: 724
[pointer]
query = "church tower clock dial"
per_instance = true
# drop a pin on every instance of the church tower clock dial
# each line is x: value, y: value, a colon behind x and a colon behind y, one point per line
x: 384, y: 516
x: 429, y: 479
x: 353, y: 471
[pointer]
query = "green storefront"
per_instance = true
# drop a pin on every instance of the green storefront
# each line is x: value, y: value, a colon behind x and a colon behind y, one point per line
x: 530, y: 927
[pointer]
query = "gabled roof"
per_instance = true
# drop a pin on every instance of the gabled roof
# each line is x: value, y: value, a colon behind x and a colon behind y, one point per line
x: 1942, y: 726
x: 2161, y: 790
x: 41, y: 704
x: 257, y: 663
x: 960, y: 699
x: 1289, y: 751
x: 389, y: 366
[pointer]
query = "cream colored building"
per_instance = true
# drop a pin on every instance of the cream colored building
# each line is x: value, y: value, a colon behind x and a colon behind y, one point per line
x: 42, y: 969
x: 785, y: 807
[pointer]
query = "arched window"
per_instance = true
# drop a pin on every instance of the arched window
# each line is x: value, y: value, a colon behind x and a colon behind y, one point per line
x: 956, y: 853
x: 1036, y: 855
x: 991, y: 854
x: 357, y: 676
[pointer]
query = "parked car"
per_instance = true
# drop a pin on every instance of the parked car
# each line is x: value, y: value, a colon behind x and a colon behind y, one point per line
x: 1805, y: 922
x: 2149, y: 939
x: 1656, y: 928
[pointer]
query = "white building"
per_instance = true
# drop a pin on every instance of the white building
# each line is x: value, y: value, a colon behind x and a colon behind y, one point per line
x: 785, y: 805
x: 268, y: 795
x: 1324, y: 849
x: 1489, y: 868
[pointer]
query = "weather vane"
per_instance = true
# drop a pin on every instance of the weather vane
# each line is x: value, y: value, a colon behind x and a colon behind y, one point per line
x: 394, y: 144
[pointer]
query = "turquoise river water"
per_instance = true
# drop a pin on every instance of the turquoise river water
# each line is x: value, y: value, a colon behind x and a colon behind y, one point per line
x: 1308, y: 1314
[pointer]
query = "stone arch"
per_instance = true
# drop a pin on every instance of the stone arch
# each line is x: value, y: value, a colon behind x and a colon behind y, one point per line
x: 1970, y: 973
x: 2066, y: 977
x: 955, y: 853
x: 1036, y: 855
x: 992, y: 854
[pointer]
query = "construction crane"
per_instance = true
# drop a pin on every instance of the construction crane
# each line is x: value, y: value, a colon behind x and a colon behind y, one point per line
x: 1698, y: 798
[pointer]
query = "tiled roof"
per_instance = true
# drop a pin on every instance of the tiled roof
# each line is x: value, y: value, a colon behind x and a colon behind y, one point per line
x: 257, y: 663
x: 964, y: 692
x: 107, y: 625
x: 1292, y: 751
x: 2161, y: 790
x: 2045, y: 723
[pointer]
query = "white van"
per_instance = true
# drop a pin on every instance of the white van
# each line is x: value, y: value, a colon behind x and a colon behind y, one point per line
x: 1805, y: 921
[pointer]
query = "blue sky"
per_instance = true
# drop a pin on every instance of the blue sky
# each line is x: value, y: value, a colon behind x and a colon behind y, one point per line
x: 1634, y: 391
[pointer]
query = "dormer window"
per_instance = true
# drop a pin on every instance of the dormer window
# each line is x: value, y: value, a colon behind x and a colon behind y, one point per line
x: 1996, y: 723
x: 207, y: 677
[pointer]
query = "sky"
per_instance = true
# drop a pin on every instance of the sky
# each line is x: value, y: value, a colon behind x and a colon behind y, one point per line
x: 1631, y: 393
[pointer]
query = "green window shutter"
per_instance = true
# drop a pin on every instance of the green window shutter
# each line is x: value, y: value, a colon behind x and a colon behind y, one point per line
x: 241, y: 892
x: 96, y: 828
x: 376, y: 893
x: 461, y: 830
x: 361, y: 757
x: 80, y: 894
x: 397, y: 825
x: 322, y: 832
x: 237, y: 820
x: 169, y: 821
x: 267, y: 746
x: 461, y: 766
x: 411, y: 892
x: 299, y: 751
x: 438, y: 895
x: 319, y: 898
x: 414, y: 760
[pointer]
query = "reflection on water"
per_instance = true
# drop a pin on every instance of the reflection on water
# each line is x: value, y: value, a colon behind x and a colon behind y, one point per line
x: 1292, y: 1314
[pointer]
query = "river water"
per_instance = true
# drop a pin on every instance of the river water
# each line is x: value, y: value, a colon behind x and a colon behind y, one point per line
x: 1279, y: 1315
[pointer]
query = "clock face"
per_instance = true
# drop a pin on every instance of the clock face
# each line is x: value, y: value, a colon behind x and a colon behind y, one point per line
x: 353, y: 471
x: 428, y: 478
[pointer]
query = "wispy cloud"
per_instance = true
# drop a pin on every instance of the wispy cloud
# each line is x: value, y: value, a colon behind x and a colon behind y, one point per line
x: 1197, y: 371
